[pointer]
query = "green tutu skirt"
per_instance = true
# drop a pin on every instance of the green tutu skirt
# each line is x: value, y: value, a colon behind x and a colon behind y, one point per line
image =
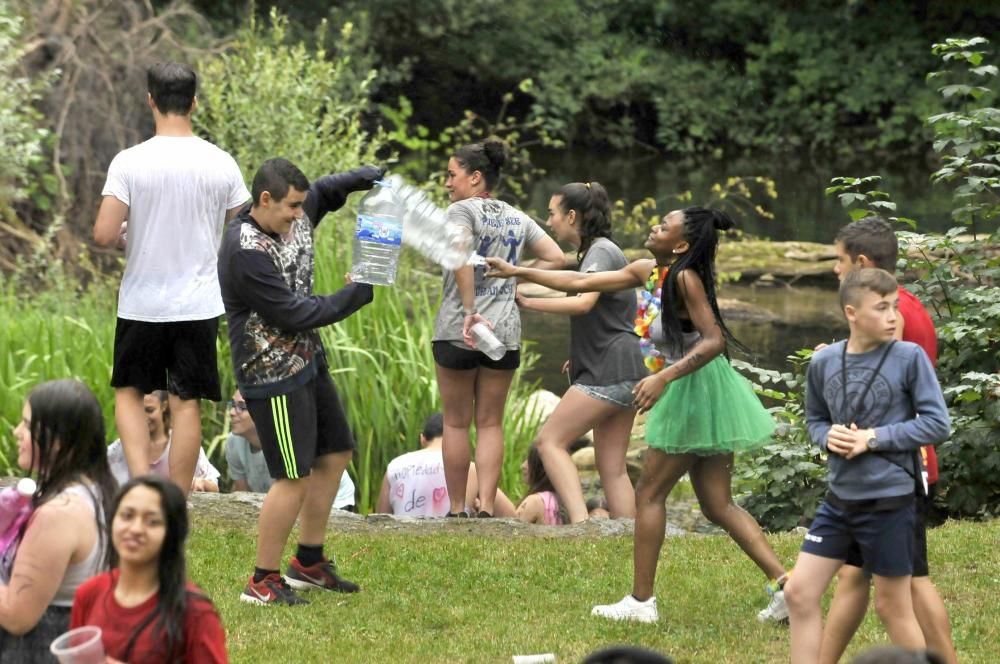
x: 710, y: 411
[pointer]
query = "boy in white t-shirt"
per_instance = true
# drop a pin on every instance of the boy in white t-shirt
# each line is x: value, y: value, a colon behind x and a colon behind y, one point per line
x: 177, y: 191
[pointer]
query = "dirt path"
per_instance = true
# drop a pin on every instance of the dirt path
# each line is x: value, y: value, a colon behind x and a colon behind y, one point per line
x: 683, y: 518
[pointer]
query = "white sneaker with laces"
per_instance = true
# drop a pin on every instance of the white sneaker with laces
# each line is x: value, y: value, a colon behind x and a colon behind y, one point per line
x: 629, y: 608
x: 776, y: 609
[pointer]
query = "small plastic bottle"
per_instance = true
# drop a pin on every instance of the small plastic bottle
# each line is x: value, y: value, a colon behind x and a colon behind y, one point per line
x: 487, y: 342
x: 378, y: 236
x: 15, y: 508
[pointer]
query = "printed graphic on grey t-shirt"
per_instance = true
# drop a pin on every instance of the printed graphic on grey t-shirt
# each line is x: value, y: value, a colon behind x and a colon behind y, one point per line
x: 876, y: 402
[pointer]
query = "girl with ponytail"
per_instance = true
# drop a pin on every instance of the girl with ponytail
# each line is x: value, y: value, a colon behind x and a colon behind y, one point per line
x: 700, y: 410
x: 473, y: 386
x: 605, y: 364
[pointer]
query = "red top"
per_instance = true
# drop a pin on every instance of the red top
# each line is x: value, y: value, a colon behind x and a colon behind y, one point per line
x: 204, y: 640
x: 919, y: 328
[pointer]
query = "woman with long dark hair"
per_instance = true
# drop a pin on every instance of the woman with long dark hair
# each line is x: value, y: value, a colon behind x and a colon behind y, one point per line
x: 700, y: 410
x: 472, y: 385
x: 145, y: 607
x: 540, y: 504
x: 605, y: 364
x: 61, y: 441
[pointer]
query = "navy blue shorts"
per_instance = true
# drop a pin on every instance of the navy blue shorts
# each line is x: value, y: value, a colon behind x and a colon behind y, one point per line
x: 884, y: 538
x: 920, y: 565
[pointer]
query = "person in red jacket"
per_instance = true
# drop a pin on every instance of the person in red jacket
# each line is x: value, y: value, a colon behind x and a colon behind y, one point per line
x: 871, y: 242
x: 146, y: 609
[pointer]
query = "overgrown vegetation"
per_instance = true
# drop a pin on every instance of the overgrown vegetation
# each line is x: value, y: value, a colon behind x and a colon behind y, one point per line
x: 957, y: 276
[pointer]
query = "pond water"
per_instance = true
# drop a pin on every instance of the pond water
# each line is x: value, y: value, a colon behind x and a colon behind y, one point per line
x: 805, y: 316
x: 801, y: 212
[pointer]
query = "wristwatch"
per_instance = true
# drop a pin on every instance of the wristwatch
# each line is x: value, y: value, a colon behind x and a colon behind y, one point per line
x: 872, y: 443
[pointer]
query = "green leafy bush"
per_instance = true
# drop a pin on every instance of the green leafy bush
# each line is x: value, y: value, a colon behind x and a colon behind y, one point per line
x: 782, y: 484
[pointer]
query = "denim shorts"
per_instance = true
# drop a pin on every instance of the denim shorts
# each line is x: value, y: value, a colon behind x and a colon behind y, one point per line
x: 885, y: 538
x: 620, y: 394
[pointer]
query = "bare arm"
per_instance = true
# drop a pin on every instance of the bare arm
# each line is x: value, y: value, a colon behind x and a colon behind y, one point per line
x: 383, y: 506
x: 531, y: 509
x: 692, y: 291
x: 575, y: 305
x: 232, y: 212
x: 110, y: 217
x: 550, y: 256
x: 570, y: 281
x: 51, y: 538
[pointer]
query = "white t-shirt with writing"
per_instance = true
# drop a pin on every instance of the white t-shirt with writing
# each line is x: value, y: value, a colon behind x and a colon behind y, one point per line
x: 177, y: 189
x: 203, y: 470
x: 417, y: 486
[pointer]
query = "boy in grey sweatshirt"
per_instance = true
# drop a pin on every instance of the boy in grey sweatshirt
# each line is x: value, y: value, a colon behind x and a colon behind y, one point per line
x: 871, y: 402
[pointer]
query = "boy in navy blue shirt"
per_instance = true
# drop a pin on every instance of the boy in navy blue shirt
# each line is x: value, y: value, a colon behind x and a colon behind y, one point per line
x: 871, y: 402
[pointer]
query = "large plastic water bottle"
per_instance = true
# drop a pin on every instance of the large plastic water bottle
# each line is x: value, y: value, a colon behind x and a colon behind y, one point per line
x: 378, y: 236
x: 427, y: 229
x: 15, y: 508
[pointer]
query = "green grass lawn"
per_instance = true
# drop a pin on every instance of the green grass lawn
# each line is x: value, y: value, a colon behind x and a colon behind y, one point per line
x: 459, y: 595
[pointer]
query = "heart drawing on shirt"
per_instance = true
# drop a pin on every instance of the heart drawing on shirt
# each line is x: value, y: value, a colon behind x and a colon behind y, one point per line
x: 440, y: 494
x: 399, y: 490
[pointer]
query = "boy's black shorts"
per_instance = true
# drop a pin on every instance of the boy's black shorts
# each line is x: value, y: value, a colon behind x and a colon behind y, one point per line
x: 178, y: 356
x: 298, y: 427
x: 884, y: 537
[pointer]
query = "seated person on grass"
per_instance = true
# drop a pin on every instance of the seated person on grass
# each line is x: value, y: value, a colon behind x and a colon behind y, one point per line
x: 156, y: 405
x: 414, y: 482
x: 871, y: 402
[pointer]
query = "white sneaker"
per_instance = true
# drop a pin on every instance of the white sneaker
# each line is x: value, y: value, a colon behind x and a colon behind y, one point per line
x: 629, y: 608
x: 776, y: 609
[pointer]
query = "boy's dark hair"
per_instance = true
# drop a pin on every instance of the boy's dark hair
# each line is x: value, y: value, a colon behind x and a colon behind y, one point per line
x: 276, y: 176
x: 172, y: 87
x: 488, y: 157
x: 897, y: 655
x: 872, y: 237
x: 870, y: 278
x: 433, y: 427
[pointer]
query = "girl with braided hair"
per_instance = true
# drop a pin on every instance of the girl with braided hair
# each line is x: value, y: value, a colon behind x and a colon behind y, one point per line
x: 605, y: 364
x: 700, y: 410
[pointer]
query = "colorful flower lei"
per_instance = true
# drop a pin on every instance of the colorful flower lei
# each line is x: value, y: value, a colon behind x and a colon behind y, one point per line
x: 648, y: 311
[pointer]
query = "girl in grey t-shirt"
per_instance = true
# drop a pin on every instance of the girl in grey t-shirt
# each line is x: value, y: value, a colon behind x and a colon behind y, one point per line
x: 470, y: 382
x: 605, y: 362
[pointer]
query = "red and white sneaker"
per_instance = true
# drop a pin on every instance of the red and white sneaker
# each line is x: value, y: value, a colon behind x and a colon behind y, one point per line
x: 321, y: 575
x: 272, y: 589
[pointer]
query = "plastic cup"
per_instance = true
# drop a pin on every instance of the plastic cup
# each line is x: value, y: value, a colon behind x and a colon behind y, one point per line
x: 82, y: 645
x: 487, y: 342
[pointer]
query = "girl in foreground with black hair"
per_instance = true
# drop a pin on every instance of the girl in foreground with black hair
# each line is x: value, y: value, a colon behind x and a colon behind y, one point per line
x: 145, y: 607
x: 700, y: 410
x: 60, y: 440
